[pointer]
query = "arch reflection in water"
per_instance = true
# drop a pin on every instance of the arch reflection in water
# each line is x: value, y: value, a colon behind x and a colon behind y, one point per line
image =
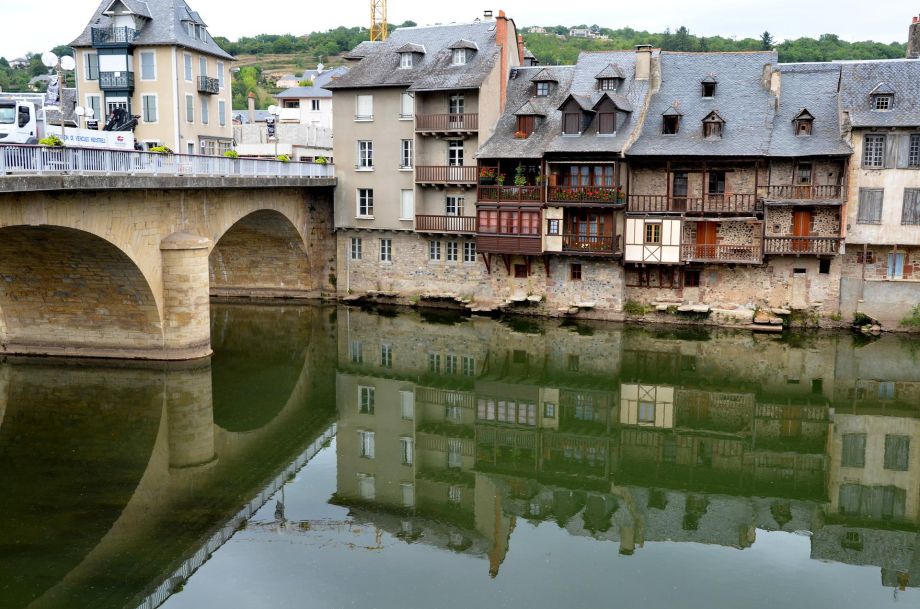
x: 449, y: 435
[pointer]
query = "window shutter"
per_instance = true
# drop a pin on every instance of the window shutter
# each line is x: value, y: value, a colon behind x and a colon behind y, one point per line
x: 870, y: 205
x: 903, y: 151
x: 910, y: 214
x: 891, y: 152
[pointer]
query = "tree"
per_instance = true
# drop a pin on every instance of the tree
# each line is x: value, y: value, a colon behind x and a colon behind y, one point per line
x: 681, y: 41
x: 766, y: 41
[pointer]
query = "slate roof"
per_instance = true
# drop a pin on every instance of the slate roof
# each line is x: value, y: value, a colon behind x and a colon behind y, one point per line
x: 164, y: 24
x: 810, y: 87
x: 611, y: 71
x: 379, y: 61
x: 741, y: 98
x: 319, y: 81
x: 859, y: 78
x: 410, y: 47
x: 69, y: 104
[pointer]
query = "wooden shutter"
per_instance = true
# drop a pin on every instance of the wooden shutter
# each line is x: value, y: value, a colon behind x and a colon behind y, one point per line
x: 571, y: 123
x: 854, y: 450
x: 891, y: 151
x: 897, y: 452
x: 911, y: 211
x: 870, y: 205
x: 903, y: 151
x: 607, y: 122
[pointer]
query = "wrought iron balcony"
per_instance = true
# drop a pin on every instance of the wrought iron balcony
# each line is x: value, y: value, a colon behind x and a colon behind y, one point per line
x: 104, y: 37
x: 116, y: 81
x: 208, y: 85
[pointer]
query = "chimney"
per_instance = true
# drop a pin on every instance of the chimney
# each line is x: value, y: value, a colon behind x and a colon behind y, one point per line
x: 501, y: 39
x: 252, y: 108
x: 487, y: 15
x: 913, y: 40
x: 643, y: 61
x: 520, y: 49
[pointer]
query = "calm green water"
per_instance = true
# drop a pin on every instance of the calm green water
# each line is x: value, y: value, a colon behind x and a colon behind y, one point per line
x: 335, y: 458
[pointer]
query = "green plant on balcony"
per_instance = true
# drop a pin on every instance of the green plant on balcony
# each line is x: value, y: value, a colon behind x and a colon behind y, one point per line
x: 321, y: 160
x: 519, y: 178
x: 487, y: 174
x: 500, y: 179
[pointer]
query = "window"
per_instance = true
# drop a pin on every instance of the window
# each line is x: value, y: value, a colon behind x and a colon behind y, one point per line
x: 148, y: 65
x: 405, y: 154
x: 549, y: 410
x: 406, y: 204
x: 386, y: 355
x: 709, y: 89
x: 453, y: 206
x: 870, y: 205
x: 454, y: 460
x: 356, y: 351
x: 220, y: 74
x: 189, y: 109
x: 406, y: 105
x: 453, y: 251
x: 575, y: 272
x: 408, y: 496
x: 467, y: 366
x: 897, y: 452
x: 450, y: 364
x: 854, y: 450
x: 692, y: 278
x: 434, y: 363
x: 365, y: 203
x: 364, y: 109
x: 803, y: 126
x: 149, y: 104
x: 867, y: 257
x: 366, y: 397
x: 356, y: 248
x: 572, y: 362
x: 459, y: 57
x: 202, y: 66
x: 882, y: 102
x: 520, y: 271
x: 886, y: 390
x: 95, y: 104
x: 455, y: 492
x: 670, y: 125
x: 646, y: 412
x: 366, y: 487
x: 455, y: 153
x: 205, y: 111
x: 896, y: 265
x: 366, y: 444
x: 188, y: 67
x: 910, y: 213
x: 386, y: 250
x: 405, y: 61
x: 913, y: 151
x: 314, y: 105
x: 571, y: 123
x: 552, y: 227
x: 456, y: 104
x: 607, y: 123
x: 874, y: 151
x: 653, y: 233
x: 434, y: 250
x: 712, y: 129
x: 222, y: 112
x: 469, y: 251
x: 609, y: 84
x: 92, y: 67
x: 525, y: 126
x: 716, y: 183
x: 365, y: 155
x: 407, y: 404
x: 406, y: 451
x: 542, y: 89
x: 824, y: 266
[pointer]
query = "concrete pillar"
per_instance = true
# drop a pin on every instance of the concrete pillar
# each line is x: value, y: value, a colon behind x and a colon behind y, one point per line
x: 186, y: 296
x: 190, y: 417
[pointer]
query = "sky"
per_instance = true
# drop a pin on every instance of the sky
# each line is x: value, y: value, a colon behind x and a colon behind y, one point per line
x: 55, y: 22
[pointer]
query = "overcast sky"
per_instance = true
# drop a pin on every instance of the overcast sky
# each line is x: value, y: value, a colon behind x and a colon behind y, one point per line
x: 38, y: 26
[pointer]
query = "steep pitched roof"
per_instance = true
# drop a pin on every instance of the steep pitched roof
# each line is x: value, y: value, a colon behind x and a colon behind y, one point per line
x: 164, y: 25
x: 544, y: 75
x: 743, y: 99
x: 378, y: 62
x: 317, y: 89
x: 411, y: 47
x: 882, y: 88
x: 612, y: 70
x: 858, y: 79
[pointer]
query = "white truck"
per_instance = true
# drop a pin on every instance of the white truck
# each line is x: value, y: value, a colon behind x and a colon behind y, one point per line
x: 21, y: 122
x: 18, y: 122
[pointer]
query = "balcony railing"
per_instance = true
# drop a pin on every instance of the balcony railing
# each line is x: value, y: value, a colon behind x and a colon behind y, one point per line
x: 116, y: 81
x: 462, y: 174
x: 445, y: 224
x: 208, y: 85
x: 497, y: 243
x: 583, y: 194
x: 113, y: 36
x: 802, y: 245
x: 721, y: 253
x: 40, y: 160
x: 591, y: 244
x: 446, y: 123
x: 805, y: 193
x: 707, y: 204
x: 511, y: 194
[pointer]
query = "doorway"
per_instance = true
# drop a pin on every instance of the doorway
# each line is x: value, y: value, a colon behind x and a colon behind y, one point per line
x: 706, y: 240
x: 801, y: 229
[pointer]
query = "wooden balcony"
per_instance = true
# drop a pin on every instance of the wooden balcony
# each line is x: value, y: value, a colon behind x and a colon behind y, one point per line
x: 497, y: 243
x: 610, y: 245
x: 707, y: 204
x: 461, y: 175
x: 511, y: 194
x: 445, y: 224
x: 798, y: 246
x: 606, y: 195
x: 436, y: 124
x: 805, y: 193
x: 729, y: 254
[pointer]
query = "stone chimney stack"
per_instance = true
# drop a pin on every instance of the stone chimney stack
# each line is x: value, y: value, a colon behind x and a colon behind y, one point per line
x: 913, y: 40
x: 643, y: 61
x: 252, y: 108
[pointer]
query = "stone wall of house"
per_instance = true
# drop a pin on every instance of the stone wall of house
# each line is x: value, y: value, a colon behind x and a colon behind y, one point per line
x: 727, y: 233
x: 876, y: 266
x: 826, y: 221
x: 823, y: 173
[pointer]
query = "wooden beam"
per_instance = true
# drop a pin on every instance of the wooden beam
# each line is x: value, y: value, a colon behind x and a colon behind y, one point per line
x: 487, y: 260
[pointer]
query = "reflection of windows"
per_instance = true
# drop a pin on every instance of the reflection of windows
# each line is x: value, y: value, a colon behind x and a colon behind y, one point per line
x: 646, y: 412
x: 897, y: 451
x: 886, y: 390
x: 454, y: 453
x: 450, y: 364
x: 386, y: 356
x: 357, y: 352
x: 669, y: 450
x: 366, y: 400
x: 455, y: 414
x: 854, y: 450
x: 366, y: 487
x: 549, y: 410
x: 434, y: 363
x: 407, y: 401
x: 468, y: 365
x: 573, y: 362
x: 876, y: 502
x: 406, y: 451
x: 455, y: 494
x: 408, y: 495
x: 366, y: 440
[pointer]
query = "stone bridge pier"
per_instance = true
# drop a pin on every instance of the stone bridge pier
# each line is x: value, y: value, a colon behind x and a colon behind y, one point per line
x: 124, y: 266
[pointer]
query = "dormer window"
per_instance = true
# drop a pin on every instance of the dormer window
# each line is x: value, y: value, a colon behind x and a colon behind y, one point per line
x: 610, y: 78
x: 571, y: 123
x: 607, y: 123
x: 882, y: 102
x: 670, y: 121
x: 709, y: 87
x: 713, y: 126
x: 459, y: 57
x: 609, y: 84
x: 406, y: 61
x: 803, y: 123
x: 882, y: 97
x: 543, y: 89
x: 525, y: 126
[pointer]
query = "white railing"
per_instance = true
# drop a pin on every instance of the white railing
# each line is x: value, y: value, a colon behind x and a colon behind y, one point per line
x: 41, y: 160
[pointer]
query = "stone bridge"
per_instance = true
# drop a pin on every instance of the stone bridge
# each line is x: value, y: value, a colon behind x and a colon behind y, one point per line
x: 123, y: 265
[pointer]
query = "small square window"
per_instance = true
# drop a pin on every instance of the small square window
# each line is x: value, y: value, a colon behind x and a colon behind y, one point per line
x: 692, y: 278
x: 575, y: 272
x: 824, y: 266
x: 709, y: 89
x: 670, y: 125
x: 459, y: 57
x: 552, y: 227
x: 520, y: 271
x: 542, y: 89
x: 653, y: 233
x: 883, y: 102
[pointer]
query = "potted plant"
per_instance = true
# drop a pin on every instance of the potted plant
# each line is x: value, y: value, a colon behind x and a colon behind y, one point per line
x: 519, y: 178
x: 500, y: 179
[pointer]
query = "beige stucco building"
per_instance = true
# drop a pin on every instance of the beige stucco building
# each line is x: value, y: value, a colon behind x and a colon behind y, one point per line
x: 157, y: 60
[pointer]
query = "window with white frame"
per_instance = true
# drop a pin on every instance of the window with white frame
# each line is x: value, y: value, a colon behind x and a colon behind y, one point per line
x: 450, y: 360
x: 407, y: 404
x: 467, y: 366
x: 366, y: 398
x: 434, y: 250
x: 386, y: 250
x: 434, y: 363
x: 455, y: 493
x: 364, y: 107
x: 455, y: 153
x: 356, y: 248
x: 469, y: 251
x: 149, y: 108
x: 454, y: 453
x: 148, y: 65
x: 874, y: 151
x: 222, y: 112
x: 459, y: 57
x: 314, y: 105
x: 406, y: 204
x: 365, y: 154
x: 406, y: 61
x: 406, y: 105
x: 366, y: 487
x: 205, y: 111
x: 365, y: 202
x: 453, y: 251
x: 407, y: 450
x: 386, y: 355
x: 405, y: 154
x: 202, y: 66
x: 188, y: 67
x: 189, y: 109
x: 453, y: 206
x: 94, y: 102
x: 366, y: 441
x: 356, y: 352
x: 220, y: 74
x: 92, y: 67
x: 913, y: 151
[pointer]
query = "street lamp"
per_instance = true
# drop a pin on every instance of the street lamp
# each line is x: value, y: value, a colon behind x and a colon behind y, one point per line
x: 275, y: 111
x: 59, y: 65
x: 81, y: 113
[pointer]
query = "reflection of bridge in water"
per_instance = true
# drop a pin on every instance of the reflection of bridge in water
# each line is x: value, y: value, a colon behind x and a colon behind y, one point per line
x: 141, y: 467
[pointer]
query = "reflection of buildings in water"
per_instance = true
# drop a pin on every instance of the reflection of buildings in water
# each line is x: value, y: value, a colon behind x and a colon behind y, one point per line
x: 619, y: 435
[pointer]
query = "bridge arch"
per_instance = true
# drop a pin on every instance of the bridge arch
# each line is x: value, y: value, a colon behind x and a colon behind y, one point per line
x: 65, y: 291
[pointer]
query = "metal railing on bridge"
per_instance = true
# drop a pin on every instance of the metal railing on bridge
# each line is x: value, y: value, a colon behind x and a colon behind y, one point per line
x: 44, y: 160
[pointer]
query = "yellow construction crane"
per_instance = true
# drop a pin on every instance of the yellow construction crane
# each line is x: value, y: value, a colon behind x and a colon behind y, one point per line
x: 379, y: 28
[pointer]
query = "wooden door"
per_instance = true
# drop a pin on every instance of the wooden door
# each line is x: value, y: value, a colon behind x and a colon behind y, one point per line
x: 706, y: 240
x: 801, y: 229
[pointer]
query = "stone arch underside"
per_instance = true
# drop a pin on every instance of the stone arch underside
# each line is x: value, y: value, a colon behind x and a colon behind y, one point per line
x: 68, y: 292
x: 262, y: 255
